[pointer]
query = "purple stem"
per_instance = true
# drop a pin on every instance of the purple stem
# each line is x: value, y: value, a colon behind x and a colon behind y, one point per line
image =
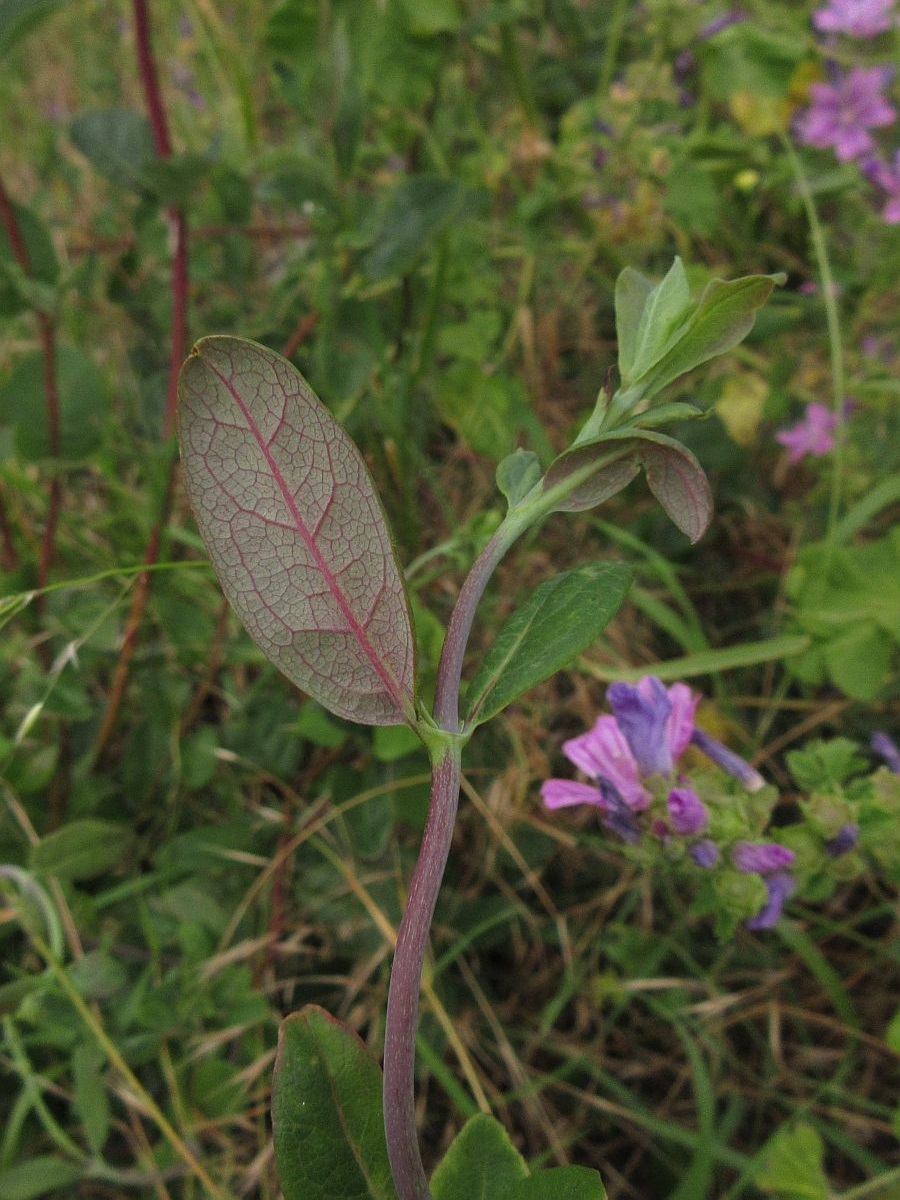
x: 406, y: 974
x: 412, y: 940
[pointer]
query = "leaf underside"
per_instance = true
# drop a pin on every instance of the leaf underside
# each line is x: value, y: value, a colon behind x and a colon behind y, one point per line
x: 295, y: 530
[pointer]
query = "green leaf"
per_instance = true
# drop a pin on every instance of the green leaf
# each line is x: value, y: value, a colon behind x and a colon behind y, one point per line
x: 295, y: 530
x: 720, y: 319
x: 38, y: 1177
x: 83, y: 401
x: 327, y: 1113
x: 417, y: 210
x: 480, y: 1164
x: 674, y: 475
x: 97, y: 975
x: 792, y: 1165
x: 560, y: 1183
x: 42, y: 261
x: 117, y: 142
x: 559, y: 619
x: 615, y: 463
x: 81, y: 849
x: 678, y: 482
x: 664, y: 308
x: 517, y: 474
x: 19, y: 17
x: 632, y: 292
x: 426, y: 18
x: 90, y: 1098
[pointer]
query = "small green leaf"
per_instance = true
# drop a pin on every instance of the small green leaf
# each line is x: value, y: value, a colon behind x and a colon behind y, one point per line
x: 720, y: 319
x: 674, y: 476
x: 615, y: 464
x: 38, y: 1177
x: 418, y: 208
x: 327, y: 1113
x: 679, y: 483
x: 481, y: 1164
x: 792, y: 1165
x: 117, y: 142
x: 83, y: 402
x: 43, y: 265
x: 89, y: 1095
x: 429, y: 17
x: 632, y: 292
x: 665, y: 308
x: 559, y: 619
x: 560, y: 1183
x: 517, y: 474
x: 294, y: 527
x: 97, y: 975
x: 82, y: 849
x: 19, y: 17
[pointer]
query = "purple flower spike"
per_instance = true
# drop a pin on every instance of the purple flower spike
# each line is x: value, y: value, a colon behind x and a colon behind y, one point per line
x: 886, y: 746
x: 780, y: 885
x: 841, y: 116
x: 617, y: 816
x: 705, y: 853
x: 687, y: 812
x: 728, y: 760
x: 843, y: 841
x: 859, y: 18
x: 761, y: 858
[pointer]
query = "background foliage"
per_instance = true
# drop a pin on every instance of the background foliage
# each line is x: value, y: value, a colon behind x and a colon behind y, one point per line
x: 425, y: 206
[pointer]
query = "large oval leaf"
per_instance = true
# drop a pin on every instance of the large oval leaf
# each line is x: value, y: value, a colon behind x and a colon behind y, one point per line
x: 295, y: 530
x: 327, y: 1114
x: 559, y: 619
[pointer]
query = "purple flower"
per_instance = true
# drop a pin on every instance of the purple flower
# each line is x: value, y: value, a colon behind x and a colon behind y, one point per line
x: 728, y: 760
x: 812, y: 434
x: 760, y: 858
x: 780, y: 886
x: 884, y: 745
x: 705, y: 853
x: 843, y: 841
x: 841, y: 115
x: 603, y: 752
x: 657, y: 722
x: 859, y: 18
x: 887, y: 177
x: 617, y: 816
x: 687, y: 812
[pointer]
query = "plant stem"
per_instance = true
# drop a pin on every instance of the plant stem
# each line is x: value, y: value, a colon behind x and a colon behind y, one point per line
x: 835, y: 344
x: 406, y: 974
x: 449, y: 676
x: 446, y: 748
x: 177, y: 352
x: 47, y: 340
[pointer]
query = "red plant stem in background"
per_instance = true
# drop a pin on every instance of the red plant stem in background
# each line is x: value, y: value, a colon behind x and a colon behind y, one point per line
x: 9, y: 556
x: 47, y: 339
x: 177, y: 351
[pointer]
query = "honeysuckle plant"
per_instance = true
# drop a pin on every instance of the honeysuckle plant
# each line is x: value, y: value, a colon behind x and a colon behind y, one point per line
x: 301, y: 544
